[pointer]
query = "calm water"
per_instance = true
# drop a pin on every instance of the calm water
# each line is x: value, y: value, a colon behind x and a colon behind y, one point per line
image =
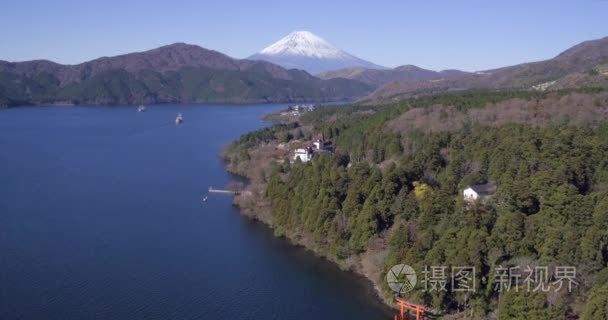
x: 101, y: 218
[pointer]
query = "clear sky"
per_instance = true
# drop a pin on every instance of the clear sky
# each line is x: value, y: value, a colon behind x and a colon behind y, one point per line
x: 468, y: 35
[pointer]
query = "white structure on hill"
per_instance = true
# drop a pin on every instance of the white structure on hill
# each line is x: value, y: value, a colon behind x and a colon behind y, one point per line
x: 478, y: 192
x: 321, y: 144
x: 305, y: 154
x: 318, y: 145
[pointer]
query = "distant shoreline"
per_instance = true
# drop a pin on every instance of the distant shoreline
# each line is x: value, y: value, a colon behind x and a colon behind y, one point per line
x: 130, y: 104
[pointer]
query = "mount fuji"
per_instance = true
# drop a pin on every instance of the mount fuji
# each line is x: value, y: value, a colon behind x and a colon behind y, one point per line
x: 307, y: 51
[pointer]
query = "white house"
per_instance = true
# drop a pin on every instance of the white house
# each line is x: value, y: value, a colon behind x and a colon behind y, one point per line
x: 317, y: 146
x: 305, y: 154
x: 478, y: 192
x: 321, y: 144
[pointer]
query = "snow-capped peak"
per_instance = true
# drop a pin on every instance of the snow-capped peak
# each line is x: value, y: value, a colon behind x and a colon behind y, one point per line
x: 304, y: 43
x: 306, y: 51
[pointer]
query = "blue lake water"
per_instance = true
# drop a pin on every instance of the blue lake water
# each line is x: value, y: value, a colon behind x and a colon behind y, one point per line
x: 101, y: 218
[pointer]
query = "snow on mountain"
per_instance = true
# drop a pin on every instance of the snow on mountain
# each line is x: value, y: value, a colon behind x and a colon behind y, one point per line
x: 303, y: 43
x: 307, y: 51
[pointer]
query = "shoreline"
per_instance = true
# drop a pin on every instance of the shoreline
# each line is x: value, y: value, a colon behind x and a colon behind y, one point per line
x: 22, y: 104
x: 251, y: 204
x: 354, y: 264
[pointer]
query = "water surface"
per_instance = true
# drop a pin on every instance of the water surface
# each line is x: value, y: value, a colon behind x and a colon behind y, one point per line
x: 101, y: 218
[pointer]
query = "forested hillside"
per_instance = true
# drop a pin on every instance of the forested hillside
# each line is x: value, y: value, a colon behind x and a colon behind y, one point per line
x: 177, y: 73
x: 582, y: 65
x: 392, y: 193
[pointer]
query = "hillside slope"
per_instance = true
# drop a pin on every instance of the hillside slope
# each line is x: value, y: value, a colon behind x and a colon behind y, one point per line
x: 378, y: 78
x: 580, y: 59
x: 173, y: 73
x: 392, y: 193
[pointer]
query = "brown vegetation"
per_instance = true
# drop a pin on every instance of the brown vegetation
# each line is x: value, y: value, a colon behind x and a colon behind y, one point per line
x: 575, y: 109
x: 576, y: 60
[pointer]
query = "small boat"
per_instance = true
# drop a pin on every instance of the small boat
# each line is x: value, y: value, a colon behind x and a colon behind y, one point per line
x: 205, y: 199
x: 179, y: 119
x: 141, y: 108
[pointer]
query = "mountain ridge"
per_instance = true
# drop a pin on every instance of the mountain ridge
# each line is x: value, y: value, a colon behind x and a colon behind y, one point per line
x: 378, y: 78
x: 580, y: 59
x: 173, y: 73
x: 188, y: 73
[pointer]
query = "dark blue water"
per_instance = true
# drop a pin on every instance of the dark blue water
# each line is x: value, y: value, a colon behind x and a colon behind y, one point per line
x: 101, y: 218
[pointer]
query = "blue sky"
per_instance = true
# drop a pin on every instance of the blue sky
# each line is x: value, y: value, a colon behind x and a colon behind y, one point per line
x: 468, y: 35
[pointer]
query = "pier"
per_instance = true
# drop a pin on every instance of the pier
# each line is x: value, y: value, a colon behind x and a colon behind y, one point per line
x: 211, y: 190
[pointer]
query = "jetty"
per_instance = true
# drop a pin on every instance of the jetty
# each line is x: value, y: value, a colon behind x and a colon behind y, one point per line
x: 212, y: 190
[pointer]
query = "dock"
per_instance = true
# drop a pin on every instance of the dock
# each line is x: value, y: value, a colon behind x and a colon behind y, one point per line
x: 212, y: 190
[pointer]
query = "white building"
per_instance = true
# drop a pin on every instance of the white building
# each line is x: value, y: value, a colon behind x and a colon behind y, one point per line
x: 321, y: 144
x: 318, y: 145
x: 305, y: 154
x: 477, y: 192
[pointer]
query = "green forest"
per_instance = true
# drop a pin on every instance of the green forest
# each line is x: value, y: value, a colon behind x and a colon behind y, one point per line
x: 405, y: 188
x: 188, y: 84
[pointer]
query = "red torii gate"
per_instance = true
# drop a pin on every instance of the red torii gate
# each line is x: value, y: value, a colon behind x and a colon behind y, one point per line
x: 420, y: 311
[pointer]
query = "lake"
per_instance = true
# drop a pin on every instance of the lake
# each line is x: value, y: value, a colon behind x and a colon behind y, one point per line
x: 101, y: 217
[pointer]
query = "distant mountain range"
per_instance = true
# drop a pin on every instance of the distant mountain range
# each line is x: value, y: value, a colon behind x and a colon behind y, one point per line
x: 183, y: 73
x: 307, y: 51
x: 584, y: 65
x: 173, y: 73
x: 378, y: 78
